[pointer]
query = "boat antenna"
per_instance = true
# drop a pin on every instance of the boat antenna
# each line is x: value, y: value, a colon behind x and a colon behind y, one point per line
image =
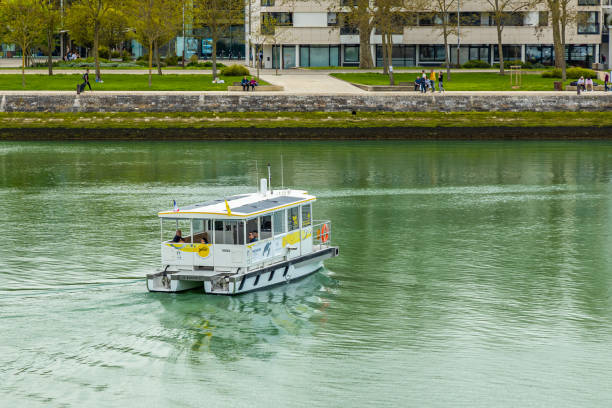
x: 269, y: 178
x: 282, y: 174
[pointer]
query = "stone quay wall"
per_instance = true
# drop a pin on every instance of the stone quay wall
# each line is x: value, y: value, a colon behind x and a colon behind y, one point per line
x: 226, y: 102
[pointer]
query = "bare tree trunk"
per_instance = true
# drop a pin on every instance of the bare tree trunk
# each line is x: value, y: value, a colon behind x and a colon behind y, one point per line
x: 390, y: 58
x: 23, y: 62
x: 447, y: 54
x: 557, y: 41
x: 500, y: 49
x: 257, y: 60
x: 214, y: 55
x: 157, y: 59
x: 562, y: 28
x: 384, y: 55
x: 150, y: 61
x: 49, y: 44
x: 95, y: 48
x: 365, y: 55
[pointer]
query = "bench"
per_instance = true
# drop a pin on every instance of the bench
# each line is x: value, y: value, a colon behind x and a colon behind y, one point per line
x: 595, y: 88
x: 259, y: 88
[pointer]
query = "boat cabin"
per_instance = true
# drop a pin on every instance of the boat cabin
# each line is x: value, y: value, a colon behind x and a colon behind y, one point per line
x: 242, y: 232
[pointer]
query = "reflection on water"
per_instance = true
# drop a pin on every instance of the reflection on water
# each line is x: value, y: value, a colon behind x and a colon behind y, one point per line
x: 470, y: 274
x: 235, y: 327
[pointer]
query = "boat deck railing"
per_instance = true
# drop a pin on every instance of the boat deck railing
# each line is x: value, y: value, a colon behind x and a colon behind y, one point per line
x: 321, y: 233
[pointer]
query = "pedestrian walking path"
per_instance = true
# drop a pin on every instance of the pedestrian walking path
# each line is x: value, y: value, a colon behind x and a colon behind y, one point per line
x: 56, y: 71
x: 310, y: 84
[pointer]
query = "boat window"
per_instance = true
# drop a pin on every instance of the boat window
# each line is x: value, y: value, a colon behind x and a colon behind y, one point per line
x: 202, y: 229
x: 169, y: 227
x: 251, y: 225
x: 219, y: 232
x: 279, y: 222
x: 306, y: 215
x: 229, y: 232
x: 293, y: 222
x: 265, y: 227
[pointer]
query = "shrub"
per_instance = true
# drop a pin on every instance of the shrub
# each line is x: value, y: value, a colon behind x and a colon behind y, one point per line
x: 115, y: 54
x: 194, y: 59
x: 572, y: 73
x: 553, y: 73
x: 208, y: 64
x: 171, y: 60
x: 103, y: 52
x: 125, y: 56
x: 476, y: 64
x: 235, y: 70
x: 577, y: 72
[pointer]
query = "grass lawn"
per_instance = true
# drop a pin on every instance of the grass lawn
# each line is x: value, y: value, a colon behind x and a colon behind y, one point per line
x: 137, y: 82
x: 476, y: 81
x: 141, y: 120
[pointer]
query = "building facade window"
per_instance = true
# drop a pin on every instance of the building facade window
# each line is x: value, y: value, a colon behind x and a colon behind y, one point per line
x: 543, y: 19
x: 509, y: 19
x: 588, y: 22
x: 401, y: 56
x: 511, y: 52
x: 470, y: 19
x: 265, y: 3
x: 319, y: 55
x: 351, y: 56
x: 430, y: 19
x: 432, y: 53
x: 588, y: 2
x: 539, y: 54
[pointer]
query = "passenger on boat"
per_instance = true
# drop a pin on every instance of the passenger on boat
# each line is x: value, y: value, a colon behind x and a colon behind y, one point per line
x: 252, y: 237
x: 178, y: 237
x: 204, y: 239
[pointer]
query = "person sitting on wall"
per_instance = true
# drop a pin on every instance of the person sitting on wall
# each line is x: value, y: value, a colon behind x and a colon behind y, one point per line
x: 245, y: 83
x: 589, y: 84
x: 581, y: 83
x: 253, y: 84
x: 178, y: 237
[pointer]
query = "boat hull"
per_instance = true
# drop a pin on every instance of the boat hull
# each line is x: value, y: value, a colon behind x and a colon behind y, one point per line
x: 237, y: 283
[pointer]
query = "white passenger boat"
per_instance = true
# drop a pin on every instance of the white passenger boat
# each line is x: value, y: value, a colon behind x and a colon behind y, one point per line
x: 217, y: 254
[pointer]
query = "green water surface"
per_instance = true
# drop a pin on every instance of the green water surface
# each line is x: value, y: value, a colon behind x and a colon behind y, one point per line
x: 470, y: 275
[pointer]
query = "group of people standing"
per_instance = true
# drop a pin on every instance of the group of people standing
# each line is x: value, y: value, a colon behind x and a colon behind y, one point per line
x: 424, y: 83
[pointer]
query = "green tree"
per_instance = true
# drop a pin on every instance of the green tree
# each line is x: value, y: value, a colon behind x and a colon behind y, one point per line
x: 51, y: 15
x: 360, y: 15
x: 93, y: 13
x: 23, y: 25
x: 152, y: 21
x: 217, y: 16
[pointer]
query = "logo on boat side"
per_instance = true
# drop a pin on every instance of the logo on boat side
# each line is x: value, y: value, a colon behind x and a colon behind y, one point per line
x: 203, y: 250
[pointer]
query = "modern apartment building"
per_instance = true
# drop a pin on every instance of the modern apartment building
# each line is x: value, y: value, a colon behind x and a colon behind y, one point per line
x: 309, y: 33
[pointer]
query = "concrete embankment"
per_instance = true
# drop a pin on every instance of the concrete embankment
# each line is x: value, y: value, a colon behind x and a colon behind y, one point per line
x: 321, y: 133
x: 286, y: 102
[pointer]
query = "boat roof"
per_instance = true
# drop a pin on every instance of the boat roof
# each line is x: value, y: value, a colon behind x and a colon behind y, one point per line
x: 242, y: 206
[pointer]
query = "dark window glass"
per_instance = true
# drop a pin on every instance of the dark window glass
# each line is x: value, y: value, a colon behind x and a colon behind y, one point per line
x: 588, y: 22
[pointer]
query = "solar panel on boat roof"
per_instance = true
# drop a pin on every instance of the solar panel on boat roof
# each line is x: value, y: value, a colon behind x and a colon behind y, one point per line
x: 212, y: 202
x: 266, y: 204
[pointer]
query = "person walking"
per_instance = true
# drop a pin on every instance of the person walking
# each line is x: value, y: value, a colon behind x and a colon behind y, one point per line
x: 81, y: 87
x: 606, y: 80
x: 423, y: 82
x: 432, y: 80
x: 440, y: 82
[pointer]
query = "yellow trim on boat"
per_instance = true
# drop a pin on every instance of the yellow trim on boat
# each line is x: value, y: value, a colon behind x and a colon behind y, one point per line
x: 235, y: 215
